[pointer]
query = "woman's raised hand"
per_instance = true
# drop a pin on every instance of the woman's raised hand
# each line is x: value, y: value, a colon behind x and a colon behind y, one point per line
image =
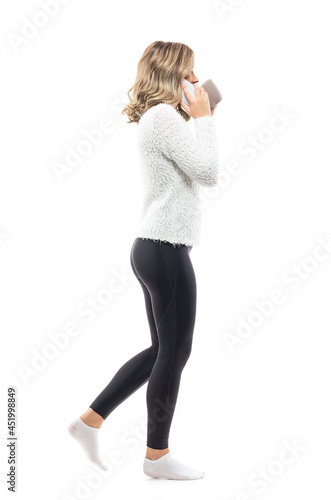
x: 199, y: 104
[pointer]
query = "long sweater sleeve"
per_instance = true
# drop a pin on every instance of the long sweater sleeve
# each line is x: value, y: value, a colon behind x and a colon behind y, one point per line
x: 197, y: 157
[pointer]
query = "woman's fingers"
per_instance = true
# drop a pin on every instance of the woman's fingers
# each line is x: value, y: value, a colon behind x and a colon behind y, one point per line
x: 199, y: 104
x: 185, y: 106
x: 201, y: 93
x: 197, y: 91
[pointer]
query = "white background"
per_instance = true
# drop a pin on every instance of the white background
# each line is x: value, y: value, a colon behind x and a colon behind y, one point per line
x: 62, y: 241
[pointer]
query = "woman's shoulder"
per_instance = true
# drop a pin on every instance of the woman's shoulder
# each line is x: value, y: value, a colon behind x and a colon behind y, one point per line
x: 161, y: 106
x: 161, y: 109
x: 159, y: 121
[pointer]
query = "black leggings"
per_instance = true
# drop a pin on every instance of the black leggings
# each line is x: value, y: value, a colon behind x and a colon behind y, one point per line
x: 166, y: 275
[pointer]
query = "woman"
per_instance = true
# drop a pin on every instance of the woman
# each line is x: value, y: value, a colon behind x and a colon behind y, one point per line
x: 174, y: 164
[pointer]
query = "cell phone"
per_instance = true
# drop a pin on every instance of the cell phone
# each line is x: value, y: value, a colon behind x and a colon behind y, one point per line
x: 191, y: 90
x: 213, y: 92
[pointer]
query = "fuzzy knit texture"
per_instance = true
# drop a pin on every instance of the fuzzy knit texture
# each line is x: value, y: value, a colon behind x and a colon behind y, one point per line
x: 174, y: 165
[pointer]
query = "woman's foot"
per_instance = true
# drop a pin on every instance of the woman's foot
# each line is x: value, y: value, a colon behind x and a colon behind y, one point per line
x: 167, y: 467
x: 87, y: 436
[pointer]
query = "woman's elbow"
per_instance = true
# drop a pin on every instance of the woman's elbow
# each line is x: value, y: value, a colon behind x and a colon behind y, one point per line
x: 209, y: 180
x: 210, y: 176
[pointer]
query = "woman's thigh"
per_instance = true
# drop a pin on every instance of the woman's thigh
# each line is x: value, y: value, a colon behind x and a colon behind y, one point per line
x: 168, y: 274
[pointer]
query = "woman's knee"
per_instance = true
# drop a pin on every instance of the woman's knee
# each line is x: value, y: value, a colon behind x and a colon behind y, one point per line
x: 183, y: 353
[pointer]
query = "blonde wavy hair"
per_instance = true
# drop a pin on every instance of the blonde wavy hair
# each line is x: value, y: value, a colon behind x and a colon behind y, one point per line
x: 161, y: 69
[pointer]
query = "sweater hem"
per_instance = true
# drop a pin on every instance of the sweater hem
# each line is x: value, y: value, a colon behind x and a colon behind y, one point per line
x: 169, y: 240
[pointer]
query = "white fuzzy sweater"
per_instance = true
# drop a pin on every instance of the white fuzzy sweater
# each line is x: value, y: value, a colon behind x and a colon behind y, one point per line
x: 174, y: 164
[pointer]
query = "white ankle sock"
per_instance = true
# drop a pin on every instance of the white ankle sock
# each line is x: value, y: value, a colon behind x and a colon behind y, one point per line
x: 87, y: 437
x: 167, y: 467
